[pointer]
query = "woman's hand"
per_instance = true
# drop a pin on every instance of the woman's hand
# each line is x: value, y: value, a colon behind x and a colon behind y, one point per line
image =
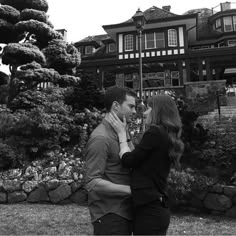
x: 117, y: 124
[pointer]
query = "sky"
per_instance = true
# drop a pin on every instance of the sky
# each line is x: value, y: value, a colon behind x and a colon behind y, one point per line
x: 82, y: 18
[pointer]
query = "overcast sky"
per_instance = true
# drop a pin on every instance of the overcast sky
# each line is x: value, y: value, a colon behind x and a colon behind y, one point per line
x: 82, y: 18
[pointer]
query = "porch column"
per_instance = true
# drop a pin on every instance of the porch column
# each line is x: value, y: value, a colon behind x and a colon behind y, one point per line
x: 200, y: 70
x: 208, y: 70
x: 180, y: 69
x: 188, y: 76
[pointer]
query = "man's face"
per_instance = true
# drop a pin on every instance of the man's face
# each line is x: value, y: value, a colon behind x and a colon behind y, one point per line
x: 127, y: 108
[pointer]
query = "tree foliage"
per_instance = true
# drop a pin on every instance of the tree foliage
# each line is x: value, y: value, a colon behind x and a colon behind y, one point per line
x: 35, y: 52
x: 62, y: 56
x: 40, y: 5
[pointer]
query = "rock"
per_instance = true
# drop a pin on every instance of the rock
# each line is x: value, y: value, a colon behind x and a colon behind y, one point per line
x: 75, y: 186
x: 38, y: 195
x: 200, y: 194
x: 66, y: 181
x: 234, y: 200
x: 80, y: 197
x: 231, y: 212
x: 196, y: 203
x: 217, y: 188
x: 60, y: 193
x: 29, y: 186
x: 52, y: 184
x: 217, y: 202
x: 11, y: 185
x: 18, y: 196
x: 230, y: 191
x: 3, y: 197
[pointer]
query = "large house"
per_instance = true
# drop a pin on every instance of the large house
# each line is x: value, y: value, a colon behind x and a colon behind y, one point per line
x: 179, y: 52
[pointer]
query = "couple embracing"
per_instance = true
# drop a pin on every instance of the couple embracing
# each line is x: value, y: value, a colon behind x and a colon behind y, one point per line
x: 127, y: 185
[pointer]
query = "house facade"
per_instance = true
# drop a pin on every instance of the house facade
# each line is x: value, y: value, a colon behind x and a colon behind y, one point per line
x: 193, y: 54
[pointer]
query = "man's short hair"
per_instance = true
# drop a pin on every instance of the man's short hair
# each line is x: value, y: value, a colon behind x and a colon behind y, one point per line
x: 118, y: 94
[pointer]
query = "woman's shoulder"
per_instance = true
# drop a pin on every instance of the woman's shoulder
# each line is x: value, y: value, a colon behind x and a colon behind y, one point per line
x: 156, y: 129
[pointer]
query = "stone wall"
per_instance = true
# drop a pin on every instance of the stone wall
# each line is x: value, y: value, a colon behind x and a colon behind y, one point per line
x: 52, y: 191
x: 217, y: 199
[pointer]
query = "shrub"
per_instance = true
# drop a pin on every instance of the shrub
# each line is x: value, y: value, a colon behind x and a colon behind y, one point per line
x: 8, y: 157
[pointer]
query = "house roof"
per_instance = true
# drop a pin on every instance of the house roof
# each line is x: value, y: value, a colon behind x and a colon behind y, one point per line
x: 151, y: 14
x: 204, y: 28
x: 96, y: 40
x: 154, y: 13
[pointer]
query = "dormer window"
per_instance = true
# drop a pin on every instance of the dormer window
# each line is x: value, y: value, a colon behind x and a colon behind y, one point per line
x: 129, y: 42
x: 172, y: 38
x: 111, y: 47
x: 228, y: 24
x: 218, y: 23
x: 88, y: 50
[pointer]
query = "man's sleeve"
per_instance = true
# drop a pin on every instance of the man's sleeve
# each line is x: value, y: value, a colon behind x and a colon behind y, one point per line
x: 96, y: 157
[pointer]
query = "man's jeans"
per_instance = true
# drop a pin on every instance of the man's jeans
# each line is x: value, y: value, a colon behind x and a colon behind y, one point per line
x: 112, y: 224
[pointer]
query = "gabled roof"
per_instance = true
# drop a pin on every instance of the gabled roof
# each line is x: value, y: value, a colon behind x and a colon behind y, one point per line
x: 96, y: 40
x: 154, y: 13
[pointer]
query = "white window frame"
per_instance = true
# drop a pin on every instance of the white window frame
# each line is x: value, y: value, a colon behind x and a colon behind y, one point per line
x: 172, y: 38
x: 228, y: 23
x: 129, y: 42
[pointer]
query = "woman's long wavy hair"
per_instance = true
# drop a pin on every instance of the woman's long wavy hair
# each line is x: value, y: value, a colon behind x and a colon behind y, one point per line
x: 165, y: 113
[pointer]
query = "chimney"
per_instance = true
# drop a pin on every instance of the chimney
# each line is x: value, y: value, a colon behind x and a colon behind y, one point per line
x: 225, y: 6
x: 166, y: 8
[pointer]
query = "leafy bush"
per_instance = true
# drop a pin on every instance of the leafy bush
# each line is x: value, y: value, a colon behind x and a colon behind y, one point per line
x: 8, y: 157
x: 182, y: 182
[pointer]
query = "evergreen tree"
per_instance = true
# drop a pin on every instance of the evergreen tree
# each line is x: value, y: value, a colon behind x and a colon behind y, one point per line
x: 34, y: 51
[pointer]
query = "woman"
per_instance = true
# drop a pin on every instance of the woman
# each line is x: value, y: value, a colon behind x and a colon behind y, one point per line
x: 150, y: 161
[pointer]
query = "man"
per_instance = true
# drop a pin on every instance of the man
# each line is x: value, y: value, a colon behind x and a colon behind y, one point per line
x: 107, y: 182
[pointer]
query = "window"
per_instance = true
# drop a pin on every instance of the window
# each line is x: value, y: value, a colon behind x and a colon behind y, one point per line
x: 160, y: 40
x: 150, y: 40
x: 81, y: 49
x: 231, y: 43
x: 161, y: 75
x: 172, y: 38
x: 88, y: 50
x: 234, y: 22
x: 175, y: 78
x: 111, y: 47
x: 129, y: 42
x: 218, y: 23
x: 228, y: 24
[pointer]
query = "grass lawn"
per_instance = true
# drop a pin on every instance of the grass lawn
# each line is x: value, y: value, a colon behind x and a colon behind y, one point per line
x: 43, y: 219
